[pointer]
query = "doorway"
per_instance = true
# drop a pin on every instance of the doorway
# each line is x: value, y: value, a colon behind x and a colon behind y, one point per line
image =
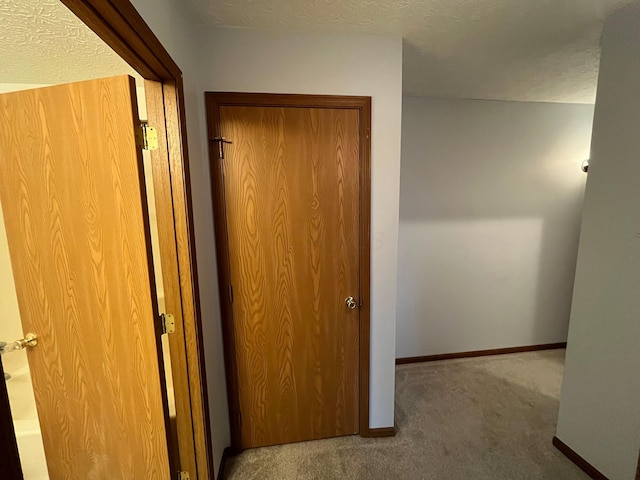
x: 77, y: 226
x: 290, y: 176
x: 113, y: 21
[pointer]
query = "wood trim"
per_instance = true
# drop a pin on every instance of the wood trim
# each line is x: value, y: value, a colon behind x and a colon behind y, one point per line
x: 188, y: 278
x: 120, y: 26
x: 222, y: 261
x: 226, y: 455
x: 365, y: 263
x: 231, y: 99
x: 118, y: 23
x: 215, y: 100
x: 10, y: 466
x: 382, y: 432
x: 480, y: 353
x: 171, y: 274
x: 111, y: 36
x: 365, y: 260
x: 585, y: 466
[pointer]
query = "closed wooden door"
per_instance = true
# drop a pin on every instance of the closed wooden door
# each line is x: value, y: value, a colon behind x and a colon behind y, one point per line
x: 292, y: 209
x: 72, y: 194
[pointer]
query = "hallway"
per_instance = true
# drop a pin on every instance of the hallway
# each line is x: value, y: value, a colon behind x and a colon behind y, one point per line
x: 481, y: 418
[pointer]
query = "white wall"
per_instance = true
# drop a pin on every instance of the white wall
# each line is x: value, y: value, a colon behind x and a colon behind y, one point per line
x: 10, y: 325
x: 245, y: 60
x: 600, y: 404
x: 172, y: 24
x: 261, y: 61
x: 490, y: 205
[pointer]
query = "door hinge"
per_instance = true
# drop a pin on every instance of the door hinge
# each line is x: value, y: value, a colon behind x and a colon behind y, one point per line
x: 240, y: 419
x: 220, y: 141
x: 168, y: 323
x: 230, y: 293
x: 184, y: 476
x: 146, y: 137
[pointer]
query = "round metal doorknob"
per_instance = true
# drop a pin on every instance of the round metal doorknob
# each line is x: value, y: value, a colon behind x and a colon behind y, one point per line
x: 29, y: 340
x: 351, y: 303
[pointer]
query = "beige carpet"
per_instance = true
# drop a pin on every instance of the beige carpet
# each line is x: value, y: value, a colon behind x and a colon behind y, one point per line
x: 487, y: 418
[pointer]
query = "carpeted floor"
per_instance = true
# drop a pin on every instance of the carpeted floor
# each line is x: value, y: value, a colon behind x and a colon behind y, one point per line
x: 483, y: 418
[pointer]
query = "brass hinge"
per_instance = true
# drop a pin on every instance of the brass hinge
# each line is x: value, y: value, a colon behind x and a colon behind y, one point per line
x: 168, y: 323
x: 220, y: 141
x: 146, y: 137
x: 230, y: 293
x: 183, y: 476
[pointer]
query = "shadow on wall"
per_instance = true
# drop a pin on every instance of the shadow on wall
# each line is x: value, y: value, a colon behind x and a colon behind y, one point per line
x: 490, y: 207
x: 521, y: 72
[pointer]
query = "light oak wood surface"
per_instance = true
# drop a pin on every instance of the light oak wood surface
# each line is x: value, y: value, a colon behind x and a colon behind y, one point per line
x: 127, y: 33
x: 292, y: 207
x: 72, y: 193
x: 175, y: 251
x: 186, y: 257
x: 171, y: 277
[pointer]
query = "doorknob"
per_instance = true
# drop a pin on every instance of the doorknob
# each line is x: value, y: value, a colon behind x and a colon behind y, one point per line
x: 29, y: 340
x: 351, y: 303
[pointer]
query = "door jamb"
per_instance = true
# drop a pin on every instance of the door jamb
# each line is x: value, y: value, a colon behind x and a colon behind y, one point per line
x: 120, y: 26
x: 214, y: 100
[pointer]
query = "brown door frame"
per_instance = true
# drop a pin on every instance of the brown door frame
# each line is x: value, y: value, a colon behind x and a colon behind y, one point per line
x: 215, y: 100
x: 120, y: 26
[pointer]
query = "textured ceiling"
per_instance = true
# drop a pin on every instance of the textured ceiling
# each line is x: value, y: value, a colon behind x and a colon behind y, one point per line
x: 535, y: 50
x: 42, y: 42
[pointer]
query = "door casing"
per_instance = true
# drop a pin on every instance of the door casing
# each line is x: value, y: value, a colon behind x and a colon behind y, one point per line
x: 215, y: 100
x: 120, y: 26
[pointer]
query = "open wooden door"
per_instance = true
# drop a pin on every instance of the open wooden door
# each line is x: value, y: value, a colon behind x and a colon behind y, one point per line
x: 72, y: 194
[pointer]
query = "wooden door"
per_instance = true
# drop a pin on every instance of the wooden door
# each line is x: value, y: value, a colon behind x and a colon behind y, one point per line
x: 292, y: 209
x: 72, y: 194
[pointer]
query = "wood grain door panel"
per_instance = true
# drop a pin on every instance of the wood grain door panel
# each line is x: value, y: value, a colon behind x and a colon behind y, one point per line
x: 292, y: 208
x: 72, y: 193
